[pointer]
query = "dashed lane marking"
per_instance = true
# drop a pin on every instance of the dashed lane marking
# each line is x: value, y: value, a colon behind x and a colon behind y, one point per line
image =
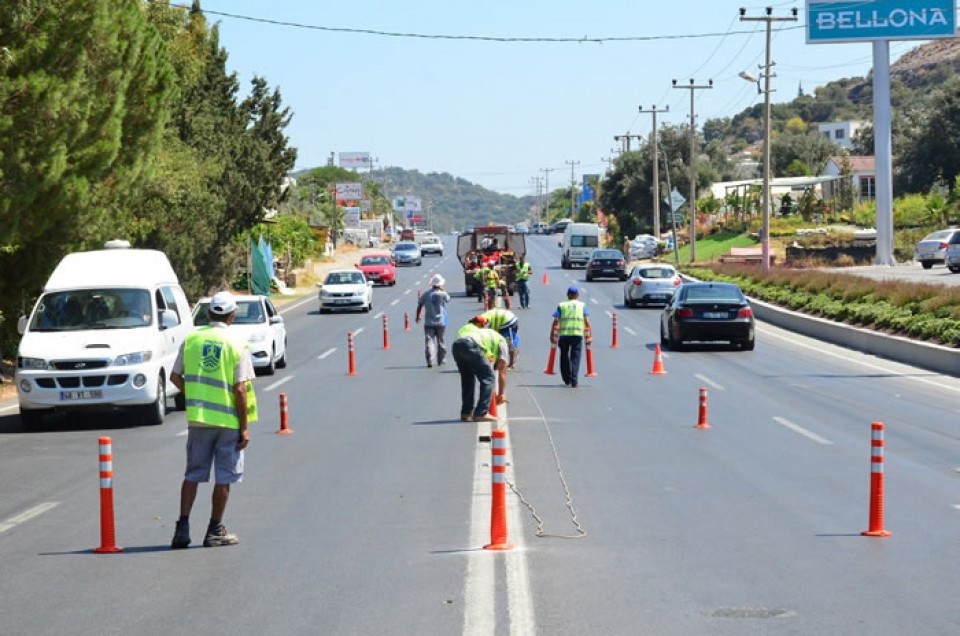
x: 796, y: 428
x: 707, y: 380
x: 326, y: 353
x: 27, y: 515
x: 630, y: 331
x: 281, y: 381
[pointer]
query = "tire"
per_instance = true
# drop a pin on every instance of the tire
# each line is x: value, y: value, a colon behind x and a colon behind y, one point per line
x: 368, y: 307
x: 153, y: 413
x: 748, y: 345
x: 282, y: 362
x: 674, y: 345
x: 271, y: 367
x: 31, y: 419
x: 664, y: 342
x: 927, y: 264
x: 589, y: 277
x: 393, y: 282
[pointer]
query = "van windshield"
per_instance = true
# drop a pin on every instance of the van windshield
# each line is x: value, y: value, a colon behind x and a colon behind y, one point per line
x: 80, y: 309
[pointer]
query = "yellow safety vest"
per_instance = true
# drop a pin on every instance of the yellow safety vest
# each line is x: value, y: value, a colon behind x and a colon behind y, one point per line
x: 523, y: 272
x: 499, y: 318
x: 210, y: 356
x: 571, y: 318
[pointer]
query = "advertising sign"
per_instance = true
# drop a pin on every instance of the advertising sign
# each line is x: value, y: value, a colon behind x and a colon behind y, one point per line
x: 351, y: 217
x: 355, y: 160
x: 868, y: 20
x: 349, y: 191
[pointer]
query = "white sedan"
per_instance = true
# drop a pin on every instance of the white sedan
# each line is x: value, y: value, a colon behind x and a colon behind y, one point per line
x: 345, y: 289
x: 259, y: 322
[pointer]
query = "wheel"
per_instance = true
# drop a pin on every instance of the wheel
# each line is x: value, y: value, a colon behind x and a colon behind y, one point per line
x: 282, y: 362
x: 153, y: 413
x: 31, y: 419
x: 392, y: 283
x: 748, y: 345
x: 271, y: 367
x: 674, y: 344
x: 926, y: 264
x: 663, y: 338
x: 589, y: 277
x: 368, y: 307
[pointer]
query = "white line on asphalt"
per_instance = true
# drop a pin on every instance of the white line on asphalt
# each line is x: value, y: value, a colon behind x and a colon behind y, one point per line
x: 326, y: 353
x: 395, y: 301
x: 479, y: 592
x: 782, y: 421
x: 379, y: 314
x: 956, y: 507
x: 27, y: 515
x: 594, y: 300
x: 630, y: 331
x: 608, y: 312
x: 183, y: 433
x: 407, y: 291
x: 10, y: 408
x: 271, y: 387
x: 707, y: 380
x: 357, y: 332
x: 519, y: 596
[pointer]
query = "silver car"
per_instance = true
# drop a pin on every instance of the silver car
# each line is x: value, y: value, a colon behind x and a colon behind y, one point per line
x: 952, y: 255
x: 651, y: 283
x: 407, y: 253
x: 932, y: 248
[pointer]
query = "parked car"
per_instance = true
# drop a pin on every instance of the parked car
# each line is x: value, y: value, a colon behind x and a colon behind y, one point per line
x: 345, y: 289
x: 541, y: 228
x: 378, y: 267
x: 431, y: 244
x: 260, y: 324
x: 952, y: 255
x: 649, y: 284
x: 407, y: 253
x: 707, y: 312
x: 559, y: 226
x: 607, y: 263
x: 643, y: 246
x: 932, y: 248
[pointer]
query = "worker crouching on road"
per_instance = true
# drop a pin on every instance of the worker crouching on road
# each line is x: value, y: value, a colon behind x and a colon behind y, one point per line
x: 506, y: 323
x: 571, y: 317
x: 432, y: 305
x: 215, y: 372
x: 478, y: 352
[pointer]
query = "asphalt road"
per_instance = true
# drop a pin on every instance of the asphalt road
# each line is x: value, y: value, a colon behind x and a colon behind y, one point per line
x: 371, y: 517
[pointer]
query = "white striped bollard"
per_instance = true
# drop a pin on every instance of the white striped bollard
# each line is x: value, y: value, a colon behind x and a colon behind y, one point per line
x: 876, y: 482
x: 108, y: 541
x: 498, y: 508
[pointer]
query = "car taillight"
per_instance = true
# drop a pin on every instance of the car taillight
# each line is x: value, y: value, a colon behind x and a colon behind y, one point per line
x: 638, y: 281
x: 943, y: 246
x: 685, y: 312
x: 677, y: 281
x: 745, y: 312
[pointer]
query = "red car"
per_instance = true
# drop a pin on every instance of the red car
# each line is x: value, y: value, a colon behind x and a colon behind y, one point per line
x: 379, y: 268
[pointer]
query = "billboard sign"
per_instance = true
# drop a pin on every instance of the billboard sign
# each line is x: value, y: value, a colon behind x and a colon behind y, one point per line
x: 355, y: 160
x: 351, y: 217
x: 869, y: 20
x: 352, y: 191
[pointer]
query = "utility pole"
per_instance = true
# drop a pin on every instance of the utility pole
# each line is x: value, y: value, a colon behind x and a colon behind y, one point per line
x: 765, y: 213
x: 692, y: 203
x: 573, y: 189
x: 546, y: 192
x: 656, y: 171
x: 625, y: 139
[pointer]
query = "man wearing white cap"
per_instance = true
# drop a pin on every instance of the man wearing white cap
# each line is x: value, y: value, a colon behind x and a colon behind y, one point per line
x: 432, y: 307
x: 215, y: 372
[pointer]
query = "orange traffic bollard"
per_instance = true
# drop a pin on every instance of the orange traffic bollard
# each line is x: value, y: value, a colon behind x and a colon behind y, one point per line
x: 702, y: 414
x: 108, y: 541
x: 588, y: 340
x: 551, y: 361
x: 545, y: 282
x: 386, y: 333
x: 493, y: 405
x: 284, y: 417
x: 498, y: 508
x: 614, y: 344
x: 658, y: 362
x: 406, y: 321
x: 876, y: 482
x: 352, y: 368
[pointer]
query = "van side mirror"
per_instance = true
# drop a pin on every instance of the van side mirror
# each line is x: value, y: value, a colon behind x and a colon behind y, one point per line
x: 22, y: 325
x: 168, y: 319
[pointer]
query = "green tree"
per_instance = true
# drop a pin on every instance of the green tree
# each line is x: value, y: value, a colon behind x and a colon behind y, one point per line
x: 932, y: 152
x: 813, y: 149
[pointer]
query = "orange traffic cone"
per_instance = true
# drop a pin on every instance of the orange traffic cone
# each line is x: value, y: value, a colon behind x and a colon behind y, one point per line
x: 658, y: 362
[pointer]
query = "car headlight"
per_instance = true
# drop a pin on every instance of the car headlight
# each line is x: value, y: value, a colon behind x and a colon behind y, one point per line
x: 360, y: 292
x: 138, y: 357
x: 323, y: 293
x: 31, y: 364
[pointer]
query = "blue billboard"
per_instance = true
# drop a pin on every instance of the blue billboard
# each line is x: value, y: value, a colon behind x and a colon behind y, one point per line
x: 867, y: 20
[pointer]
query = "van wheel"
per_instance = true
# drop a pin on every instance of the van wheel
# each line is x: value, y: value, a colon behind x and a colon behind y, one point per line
x: 31, y: 419
x: 153, y: 413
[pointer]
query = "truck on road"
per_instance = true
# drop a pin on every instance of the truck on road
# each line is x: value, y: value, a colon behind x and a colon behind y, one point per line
x: 492, y: 245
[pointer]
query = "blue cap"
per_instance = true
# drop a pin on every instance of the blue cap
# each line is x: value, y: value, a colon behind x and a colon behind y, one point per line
x: 572, y: 290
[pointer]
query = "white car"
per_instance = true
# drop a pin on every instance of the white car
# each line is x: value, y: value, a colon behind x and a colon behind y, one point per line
x: 651, y: 283
x: 259, y: 322
x: 431, y: 245
x: 345, y: 289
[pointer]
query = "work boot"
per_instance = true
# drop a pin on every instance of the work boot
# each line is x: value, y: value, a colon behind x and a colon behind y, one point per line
x: 217, y: 536
x: 181, y: 536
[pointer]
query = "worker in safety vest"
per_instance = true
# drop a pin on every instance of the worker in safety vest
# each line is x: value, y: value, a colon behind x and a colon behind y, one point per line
x: 572, y: 318
x: 506, y: 323
x: 214, y: 370
x: 480, y: 352
x: 523, y: 274
x: 490, y: 282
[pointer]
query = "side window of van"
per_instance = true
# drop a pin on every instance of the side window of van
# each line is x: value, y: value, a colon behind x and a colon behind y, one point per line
x: 170, y: 301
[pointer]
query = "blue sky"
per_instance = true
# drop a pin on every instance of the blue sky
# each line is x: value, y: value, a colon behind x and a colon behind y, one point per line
x: 497, y: 113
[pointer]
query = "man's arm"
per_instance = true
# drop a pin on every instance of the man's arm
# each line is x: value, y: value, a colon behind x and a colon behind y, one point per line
x: 240, y: 399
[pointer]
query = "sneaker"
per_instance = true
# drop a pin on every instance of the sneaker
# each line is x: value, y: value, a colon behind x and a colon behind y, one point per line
x: 181, y: 536
x: 466, y: 418
x: 485, y: 418
x: 218, y: 536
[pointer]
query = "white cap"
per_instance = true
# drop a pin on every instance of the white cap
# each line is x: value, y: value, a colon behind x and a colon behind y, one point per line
x: 223, y: 303
x: 437, y: 281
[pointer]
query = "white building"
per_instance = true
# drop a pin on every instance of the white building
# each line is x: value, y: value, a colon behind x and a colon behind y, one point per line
x: 863, y: 177
x: 841, y: 132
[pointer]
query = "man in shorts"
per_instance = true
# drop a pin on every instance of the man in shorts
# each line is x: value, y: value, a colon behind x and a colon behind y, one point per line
x: 215, y: 372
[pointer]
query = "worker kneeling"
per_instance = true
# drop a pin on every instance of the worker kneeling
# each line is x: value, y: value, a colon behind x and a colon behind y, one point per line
x: 478, y: 352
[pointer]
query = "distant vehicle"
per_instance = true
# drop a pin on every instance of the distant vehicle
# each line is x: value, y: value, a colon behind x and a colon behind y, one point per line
x: 407, y: 253
x: 431, y: 244
x: 345, y: 289
x: 523, y: 228
x: 932, y: 248
x: 540, y: 228
x: 707, y: 312
x: 651, y: 284
x: 578, y: 242
x: 260, y: 324
x: 494, y: 246
x: 607, y: 263
x: 378, y: 267
x: 643, y: 246
x: 407, y: 234
x: 559, y: 226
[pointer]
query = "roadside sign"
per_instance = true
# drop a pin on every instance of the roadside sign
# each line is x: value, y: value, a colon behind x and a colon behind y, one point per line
x: 868, y: 20
x: 675, y: 200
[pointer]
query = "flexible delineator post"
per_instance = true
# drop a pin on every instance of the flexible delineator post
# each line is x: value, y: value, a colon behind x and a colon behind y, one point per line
x: 350, y: 355
x: 702, y: 415
x: 284, y: 417
x: 551, y: 361
x: 588, y: 339
x: 876, y: 482
x: 498, y: 509
x: 386, y: 333
x: 406, y: 321
x: 614, y: 344
x: 108, y: 541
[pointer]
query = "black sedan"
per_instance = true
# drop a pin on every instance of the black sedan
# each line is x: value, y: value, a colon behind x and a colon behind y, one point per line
x: 707, y: 312
x: 606, y: 263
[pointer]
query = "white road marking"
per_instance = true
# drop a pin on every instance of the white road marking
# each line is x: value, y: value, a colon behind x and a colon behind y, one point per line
x: 15, y: 405
x: 782, y: 421
x: 27, y: 515
x: 326, y: 353
x: 408, y: 291
x: 183, y: 433
x: 608, y: 312
x: 395, y: 301
x: 357, y: 332
x: 594, y: 300
x: 630, y: 331
x: 377, y: 315
x: 281, y: 381
x: 706, y: 380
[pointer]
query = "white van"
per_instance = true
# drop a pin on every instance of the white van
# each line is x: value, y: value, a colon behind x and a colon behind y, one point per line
x: 579, y: 241
x: 104, y: 334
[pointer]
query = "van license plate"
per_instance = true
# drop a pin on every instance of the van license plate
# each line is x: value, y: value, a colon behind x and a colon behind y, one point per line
x: 92, y: 394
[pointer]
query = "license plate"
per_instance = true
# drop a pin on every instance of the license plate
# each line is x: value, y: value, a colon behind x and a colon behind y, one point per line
x: 341, y: 301
x: 91, y: 394
x: 658, y: 297
x: 714, y: 314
